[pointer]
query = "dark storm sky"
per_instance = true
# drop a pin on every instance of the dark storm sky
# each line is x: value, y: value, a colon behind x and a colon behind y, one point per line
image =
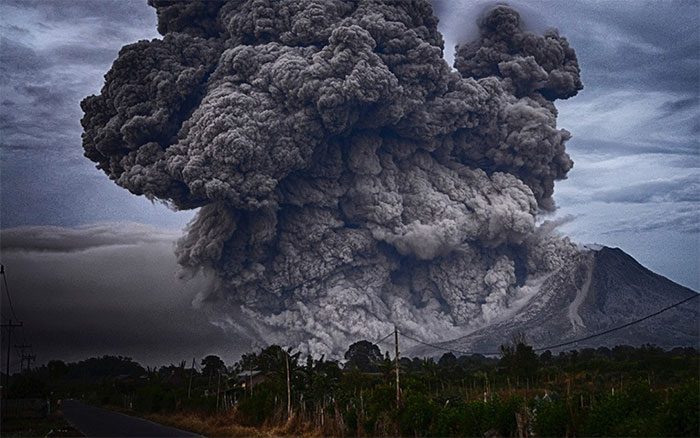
x: 100, y: 287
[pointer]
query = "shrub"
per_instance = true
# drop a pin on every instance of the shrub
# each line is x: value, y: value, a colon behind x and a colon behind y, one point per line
x: 551, y: 418
x: 679, y: 417
x: 416, y: 414
x: 631, y: 412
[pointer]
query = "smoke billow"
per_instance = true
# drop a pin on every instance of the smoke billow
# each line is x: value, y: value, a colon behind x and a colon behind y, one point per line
x: 346, y: 177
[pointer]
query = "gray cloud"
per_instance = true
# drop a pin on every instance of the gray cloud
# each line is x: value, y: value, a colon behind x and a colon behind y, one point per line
x: 52, y: 54
x: 619, y: 148
x: 685, y: 189
x: 77, y: 54
x: 62, y: 239
x: 686, y: 162
x: 111, y: 19
x: 659, y: 54
x: 682, y: 217
x: 18, y: 59
x: 672, y: 108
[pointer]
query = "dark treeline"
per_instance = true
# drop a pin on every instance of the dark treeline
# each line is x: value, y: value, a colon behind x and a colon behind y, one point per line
x: 623, y: 391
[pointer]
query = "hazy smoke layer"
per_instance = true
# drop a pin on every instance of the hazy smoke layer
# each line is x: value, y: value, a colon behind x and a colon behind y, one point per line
x: 348, y: 178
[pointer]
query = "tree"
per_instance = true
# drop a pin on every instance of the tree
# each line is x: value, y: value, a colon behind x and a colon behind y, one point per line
x: 363, y: 356
x: 448, y: 361
x: 57, y: 369
x: 519, y: 358
x: 212, y: 365
x: 105, y: 366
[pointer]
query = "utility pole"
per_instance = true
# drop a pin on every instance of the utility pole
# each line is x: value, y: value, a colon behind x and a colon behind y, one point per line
x: 24, y: 356
x: 189, y: 387
x: 398, y: 388
x: 30, y: 358
x: 10, y: 325
x: 289, y: 387
x: 250, y: 381
x: 218, y: 391
x: 250, y: 373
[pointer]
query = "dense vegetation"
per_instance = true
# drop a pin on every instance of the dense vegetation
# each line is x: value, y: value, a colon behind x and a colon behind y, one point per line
x: 623, y: 391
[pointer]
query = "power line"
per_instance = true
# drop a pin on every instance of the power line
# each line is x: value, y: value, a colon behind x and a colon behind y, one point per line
x: 7, y: 291
x: 605, y: 332
x: 24, y: 356
x: 10, y: 325
x: 444, y: 348
x: 12, y: 310
x: 573, y: 341
x: 383, y: 339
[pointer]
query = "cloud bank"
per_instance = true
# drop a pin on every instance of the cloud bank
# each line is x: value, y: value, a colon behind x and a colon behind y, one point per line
x: 61, y: 239
x: 108, y: 289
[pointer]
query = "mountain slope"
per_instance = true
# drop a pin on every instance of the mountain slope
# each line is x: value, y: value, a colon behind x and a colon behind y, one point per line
x: 598, y: 290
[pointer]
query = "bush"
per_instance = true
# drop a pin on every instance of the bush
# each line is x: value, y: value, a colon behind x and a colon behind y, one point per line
x: 551, y: 418
x: 154, y: 398
x: 417, y: 414
x: 502, y: 415
x: 255, y: 409
x: 679, y: 417
x: 631, y: 412
x: 27, y: 386
x: 467, y: 419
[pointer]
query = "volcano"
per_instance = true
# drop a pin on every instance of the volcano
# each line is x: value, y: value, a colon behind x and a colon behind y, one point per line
x: 599, y: 289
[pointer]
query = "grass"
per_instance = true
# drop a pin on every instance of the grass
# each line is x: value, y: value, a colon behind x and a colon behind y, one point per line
x: 206, y: 424
x: 224, y: 425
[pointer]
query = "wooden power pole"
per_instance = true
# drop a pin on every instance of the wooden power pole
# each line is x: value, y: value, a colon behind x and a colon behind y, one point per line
x: 289, y: 387
x: 9, y: 326
x: 218, y: 391
x: 189, y: 387
x: 250, y: 381
x: 30, y: 358
x: 24, y: 356
x: 398, y: 388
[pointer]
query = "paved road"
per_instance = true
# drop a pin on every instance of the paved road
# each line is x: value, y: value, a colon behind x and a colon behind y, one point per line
x: 97, y: 422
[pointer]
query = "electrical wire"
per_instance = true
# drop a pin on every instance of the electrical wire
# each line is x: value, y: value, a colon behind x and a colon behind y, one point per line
x: 561, y: 344
x: 7, y: 291
x: 12, y: 310
x: 383, y: 339
x: 605, y: 332
x: 466, y: 353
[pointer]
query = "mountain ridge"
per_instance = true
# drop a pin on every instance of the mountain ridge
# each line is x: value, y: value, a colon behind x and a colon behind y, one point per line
x: 597, y: 290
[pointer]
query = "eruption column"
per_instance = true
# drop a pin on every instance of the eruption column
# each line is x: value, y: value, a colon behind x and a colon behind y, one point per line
x: 346, y: 177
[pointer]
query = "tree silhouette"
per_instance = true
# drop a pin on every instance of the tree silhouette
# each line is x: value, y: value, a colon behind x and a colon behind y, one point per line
x: 212, y: 365
x: 519, y: 358
x: 363, y: 356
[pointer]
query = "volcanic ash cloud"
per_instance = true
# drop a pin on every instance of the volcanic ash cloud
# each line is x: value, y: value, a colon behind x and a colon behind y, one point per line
x: 346, y: 177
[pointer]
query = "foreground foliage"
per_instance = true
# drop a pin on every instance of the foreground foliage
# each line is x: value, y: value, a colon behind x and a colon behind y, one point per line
x: 623, y: 391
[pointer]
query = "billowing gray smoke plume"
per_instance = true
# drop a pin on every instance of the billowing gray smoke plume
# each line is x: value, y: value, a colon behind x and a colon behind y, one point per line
x: 347, y: 178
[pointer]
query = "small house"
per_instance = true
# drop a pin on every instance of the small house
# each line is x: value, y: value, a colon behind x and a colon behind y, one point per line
x: 250, y: 379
